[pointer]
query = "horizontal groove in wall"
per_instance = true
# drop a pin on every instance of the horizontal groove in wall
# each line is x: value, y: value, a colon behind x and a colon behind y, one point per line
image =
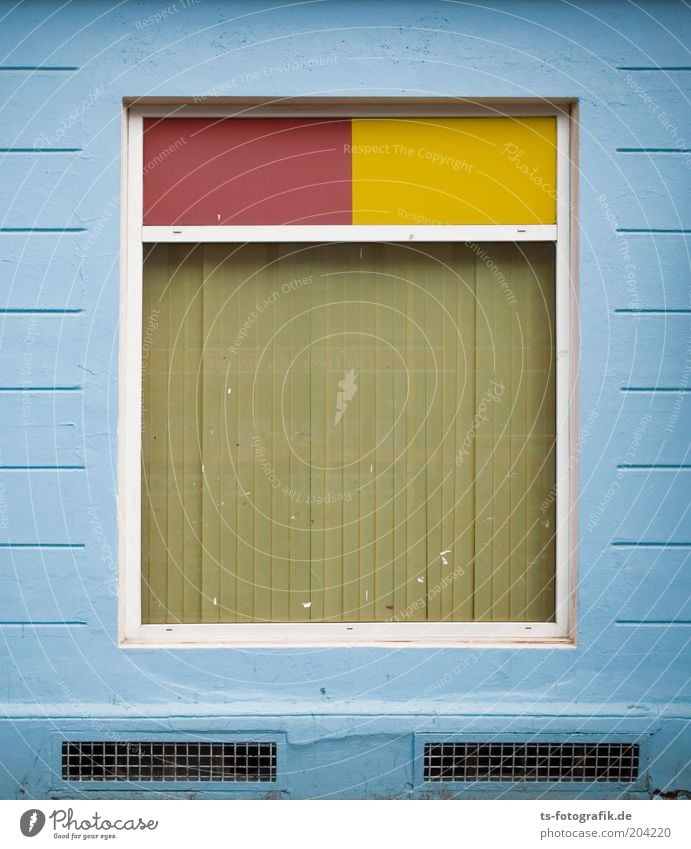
x: 32, y: 150
x: 77, y: 623
x: 651, y: 311
x: 40, y: 388
x: 43, y: 229
x: 654, y: 623
x: 42, y: 468
x: 39, y: 311
x: 42, y: 68
x: 665, y: 467
x: 653, y: 150
x: 653, y: 68
x: 659, y: 231
x: 49, y: 546
x: 651, y: 544
x: 656, y: 389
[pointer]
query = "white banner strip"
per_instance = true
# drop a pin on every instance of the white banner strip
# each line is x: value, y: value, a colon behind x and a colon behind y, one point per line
x: 232, y: 823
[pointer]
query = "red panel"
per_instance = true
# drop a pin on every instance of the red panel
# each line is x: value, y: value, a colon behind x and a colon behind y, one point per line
x: 207, y: 171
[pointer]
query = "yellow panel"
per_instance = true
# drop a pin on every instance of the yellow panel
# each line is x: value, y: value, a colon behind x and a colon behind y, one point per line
x: 454, y: 171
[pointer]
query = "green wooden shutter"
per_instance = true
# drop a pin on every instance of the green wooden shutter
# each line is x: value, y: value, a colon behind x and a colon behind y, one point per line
x: 348, y: 432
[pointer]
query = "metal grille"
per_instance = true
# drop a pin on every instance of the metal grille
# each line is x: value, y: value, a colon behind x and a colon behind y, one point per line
x: 148, y: 761
x: 531, y: 762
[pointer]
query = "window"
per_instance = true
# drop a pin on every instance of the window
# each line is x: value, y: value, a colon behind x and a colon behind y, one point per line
x: 344, y: 413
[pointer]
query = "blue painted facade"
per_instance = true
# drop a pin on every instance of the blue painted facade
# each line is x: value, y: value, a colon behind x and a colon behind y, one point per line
x: 350, y: 722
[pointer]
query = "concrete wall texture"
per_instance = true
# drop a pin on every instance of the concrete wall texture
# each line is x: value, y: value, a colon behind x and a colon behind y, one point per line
x: 350, y: 721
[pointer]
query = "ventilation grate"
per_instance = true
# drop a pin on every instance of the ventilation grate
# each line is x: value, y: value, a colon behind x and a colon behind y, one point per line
x: 531, y: 762
x: 147, y: 761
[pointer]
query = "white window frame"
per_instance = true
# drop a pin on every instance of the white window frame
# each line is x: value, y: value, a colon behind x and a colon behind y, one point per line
x: 132, y: 631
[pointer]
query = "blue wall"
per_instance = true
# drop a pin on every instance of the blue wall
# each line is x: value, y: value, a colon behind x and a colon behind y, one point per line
x: 350, y: 720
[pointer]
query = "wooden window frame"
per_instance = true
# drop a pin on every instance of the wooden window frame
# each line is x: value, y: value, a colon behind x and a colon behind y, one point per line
x: 132, y: 632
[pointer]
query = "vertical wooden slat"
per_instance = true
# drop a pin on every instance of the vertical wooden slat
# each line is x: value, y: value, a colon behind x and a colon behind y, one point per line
x: 175, y: 406
x: 230, y: 276
x: 449, y: 410
x: 191, y: 340
x: 430, y: 276
x: 212, y: 431
x: 518, y: 398
x: 316, y: 359
x: 245, y: 511
x: 533, y: 458
x: 545, y: 266
x: 147, y: 523
x: 549, y: 472
x: 542, y: 472
x: 260, y: 403
x: 385, y: 412
x: 401, y: 399
x: 463, y: 593
x: 349, y: 425
x: 297, y: 427
x: 416, y: 409
x: 333, y: 446
x: 155, y: 439
x: 276, y: 450
x: 364, y: 403
x: 481, y: 435
x: 500, y: 401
